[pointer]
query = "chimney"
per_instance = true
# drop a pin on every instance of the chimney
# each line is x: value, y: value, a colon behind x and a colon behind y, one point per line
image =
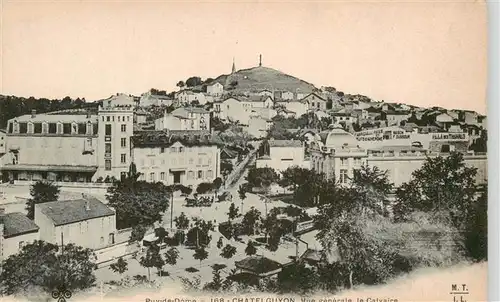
x: 33, y: 113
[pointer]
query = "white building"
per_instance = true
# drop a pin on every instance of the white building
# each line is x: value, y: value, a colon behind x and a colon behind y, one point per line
x: 113, y: 146
x: 282, y: 155
x: 187, y: 118
x: 215, y: 89
x: 240, y: 108
x: 188, y: 96
x: 176, y: 157
x: 16, y: 230
x: 86, y: 222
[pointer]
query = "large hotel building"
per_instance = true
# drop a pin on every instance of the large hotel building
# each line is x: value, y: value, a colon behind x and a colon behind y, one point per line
x: 79, y: 147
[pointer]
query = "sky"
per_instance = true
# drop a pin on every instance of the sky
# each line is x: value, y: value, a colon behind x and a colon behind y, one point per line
x: 420, y: 53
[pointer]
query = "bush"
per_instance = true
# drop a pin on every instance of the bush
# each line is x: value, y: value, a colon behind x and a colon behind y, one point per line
x: 191, y: 270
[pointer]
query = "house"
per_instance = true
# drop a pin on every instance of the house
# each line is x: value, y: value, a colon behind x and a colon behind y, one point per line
x: 240, y: 108
x: 188, y: 97
x: 373, y: 113
x: 344, y: 117
x: 265, y: 93
x: 388, y: 107
x: 176, y: 157
x: 120, y: 99
x: 215, y: 89
x: 148, y: 99
x: 85, y: 222
x: 258, y: 126
x: 258, y: 266
x: 140, y: 116
x: 283, y: 95
x: 282, y: 154
x: 186, y: 118
x: 286, y: 113
x: 16, y: 230
x: 315, y: 101
x: 394, y: 118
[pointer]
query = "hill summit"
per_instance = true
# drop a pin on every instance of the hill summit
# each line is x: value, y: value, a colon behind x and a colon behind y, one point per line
x: 260, y: 78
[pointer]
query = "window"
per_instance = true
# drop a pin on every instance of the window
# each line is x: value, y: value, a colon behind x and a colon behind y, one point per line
x: 82, y: 128
x: 200, y: 161
x: 343, y: 176
x: 162, y: 176
x: 190, y: 175
x: 343, y: 161
x: 173, y: 149
x: 200, y: 174
x: 357, y: 161
x: 38, y: 128
x: 124, y: 142
x: 209, y: 160
x: 107, y: 148
x: 107, y: 165
x: 162, y: 150
x: 119, y: 119
x: 181, y: 149
x: 124, y: 128
x: 123, y: 158
x: 173, y: 161
x: 67, y: 128
x: 23, y: 128
x: 210, y: 174
x: 108, y: 119
x: 108, y: 129
x: 152, y: 176
x: 191, y: 161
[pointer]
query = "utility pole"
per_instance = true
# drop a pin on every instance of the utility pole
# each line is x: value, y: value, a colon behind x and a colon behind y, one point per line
x: 171, y: 209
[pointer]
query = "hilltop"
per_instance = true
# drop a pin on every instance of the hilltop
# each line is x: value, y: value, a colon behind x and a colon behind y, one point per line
x: 260, y: 77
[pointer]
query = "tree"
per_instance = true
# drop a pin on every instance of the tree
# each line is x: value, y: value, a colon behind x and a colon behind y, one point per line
x: 249, y: 220
x: 373, y: 187
x: 262, y: 177
x: 152, y: 259
x: 233, y: 212
x: 180, y: 84
x: 200, y: 254
x: 182, y: 221
x: 41, y: 192
x: 217, y: 184
x: 444, y: 186
x: 297, y: 278
x: 41, y: 264
x: 250, y: 249
x: 219, y: 243
x: 171, y: 256
x: 476, y: 230
x: 137, y: 202
x: 204, y: 187
x: 242, y: 192
x: 120, y: 266
x: 193, y: 81
x: 137, y: 233
x: 161, y: 233
x: 216, y: 284
x: 228, y: 251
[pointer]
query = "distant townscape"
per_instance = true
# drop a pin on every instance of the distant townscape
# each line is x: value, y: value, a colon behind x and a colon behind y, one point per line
x: 255, y: 180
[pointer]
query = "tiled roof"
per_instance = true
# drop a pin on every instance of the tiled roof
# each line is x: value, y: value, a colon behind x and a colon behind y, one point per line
x: 167, y: 138
x: 16, y: 224
x: 285, y: 143
x: 258, y: 264
x: 70, y: 211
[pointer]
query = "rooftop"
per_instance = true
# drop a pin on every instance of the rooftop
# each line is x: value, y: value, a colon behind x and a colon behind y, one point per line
x: 16, y: 224
x: 285, y: 143
x: 70, y: 211
x: 258, y: 264
x: 167, y: 138
x: 53, y: 118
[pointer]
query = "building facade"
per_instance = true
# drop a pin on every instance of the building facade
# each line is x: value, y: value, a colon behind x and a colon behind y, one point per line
x: 116, y: 127
x: 176, y: 157
x: 55, y: 147
x: 188, y: 118
x: 16, y: 230
x: 283, y: 154
x: 86, y: 222
x: 216, y: 89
